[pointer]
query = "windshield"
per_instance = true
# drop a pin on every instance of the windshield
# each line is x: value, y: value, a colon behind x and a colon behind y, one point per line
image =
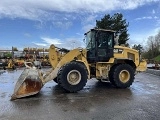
x: 105, y: 39
x: 90, y: 39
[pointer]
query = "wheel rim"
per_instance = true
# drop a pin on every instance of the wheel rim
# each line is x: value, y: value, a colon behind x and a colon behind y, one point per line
x: 124, y: 76
x: 74, y: 77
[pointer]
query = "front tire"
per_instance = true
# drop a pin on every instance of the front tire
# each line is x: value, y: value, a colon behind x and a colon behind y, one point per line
x: 111, y: 74
x: 123, y: 76
x: 72, y: 76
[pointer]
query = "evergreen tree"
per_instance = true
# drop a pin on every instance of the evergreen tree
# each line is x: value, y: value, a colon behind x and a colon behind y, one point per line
x: 116, y: 23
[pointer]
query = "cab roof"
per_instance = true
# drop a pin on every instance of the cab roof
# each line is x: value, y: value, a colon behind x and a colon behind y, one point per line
x: 97, y: 29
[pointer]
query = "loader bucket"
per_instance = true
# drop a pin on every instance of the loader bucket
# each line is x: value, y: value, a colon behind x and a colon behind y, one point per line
x: 29, y: 83
x: 142, y: 66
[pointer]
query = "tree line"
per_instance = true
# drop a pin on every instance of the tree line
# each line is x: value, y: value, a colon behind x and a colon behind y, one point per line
x: 152, y: 48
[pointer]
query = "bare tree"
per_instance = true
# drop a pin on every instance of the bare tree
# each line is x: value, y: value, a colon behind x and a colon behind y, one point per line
x: 157, y: 41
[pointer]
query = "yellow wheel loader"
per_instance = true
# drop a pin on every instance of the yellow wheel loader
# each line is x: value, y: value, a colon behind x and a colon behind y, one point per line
x: 9, y: 65
x: 71, y: 69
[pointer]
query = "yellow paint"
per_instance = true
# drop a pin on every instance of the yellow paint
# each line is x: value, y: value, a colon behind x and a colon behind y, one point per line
x: 58, y: 59
x: 142, y: 66
x: 75, y: 54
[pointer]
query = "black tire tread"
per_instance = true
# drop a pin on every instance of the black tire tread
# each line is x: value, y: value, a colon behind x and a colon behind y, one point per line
x: 61, y: 80
x: 111, y: 74
x: 115, y: 76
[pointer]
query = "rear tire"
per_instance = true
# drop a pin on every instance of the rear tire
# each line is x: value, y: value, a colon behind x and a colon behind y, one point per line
x: 123, y: 75
x: 72, y: 76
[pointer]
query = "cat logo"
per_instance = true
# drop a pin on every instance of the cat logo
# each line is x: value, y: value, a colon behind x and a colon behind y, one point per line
x: 118, y: 50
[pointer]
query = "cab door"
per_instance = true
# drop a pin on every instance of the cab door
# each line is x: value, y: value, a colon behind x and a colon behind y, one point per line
x: 104, y: 46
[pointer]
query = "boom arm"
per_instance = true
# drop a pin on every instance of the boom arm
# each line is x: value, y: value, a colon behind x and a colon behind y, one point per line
x: 70, y: 56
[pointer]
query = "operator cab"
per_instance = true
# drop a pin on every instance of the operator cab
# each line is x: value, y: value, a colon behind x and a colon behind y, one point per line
x: 99, y: 45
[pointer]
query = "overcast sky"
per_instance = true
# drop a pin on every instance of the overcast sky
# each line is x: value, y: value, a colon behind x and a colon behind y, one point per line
x: 39, y: 23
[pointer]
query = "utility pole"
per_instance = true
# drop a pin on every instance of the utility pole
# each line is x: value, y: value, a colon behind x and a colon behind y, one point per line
x: 43, y: 53
x: 12, y: 52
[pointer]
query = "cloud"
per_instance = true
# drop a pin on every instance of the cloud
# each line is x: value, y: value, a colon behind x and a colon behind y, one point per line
x: 153, y: 11
x: 89, y: 19
x: 144, y: 18
x: 71, y: 43
x: 68, y: 43
x: 46, y: 42
x: 27, y: 35
x: 155, y: 18
x: 39, y: 25
x: 85, y: 28
x: 40, y: 44
x: 62, y: 25
x: 55, y: 41
x: 88, y: 22
x: 132, y: 4
x: 41, y: 10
